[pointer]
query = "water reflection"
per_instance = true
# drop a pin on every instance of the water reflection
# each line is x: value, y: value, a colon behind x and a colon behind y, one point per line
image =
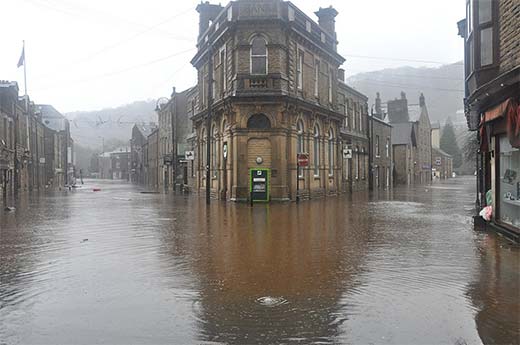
x: 123, y: 267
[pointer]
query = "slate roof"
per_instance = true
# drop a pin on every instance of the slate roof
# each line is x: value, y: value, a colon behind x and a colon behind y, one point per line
x: 48, y: 111
x: 402, y: 133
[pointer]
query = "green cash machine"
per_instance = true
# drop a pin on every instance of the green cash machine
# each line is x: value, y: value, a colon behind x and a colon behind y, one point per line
x: 259, y: 184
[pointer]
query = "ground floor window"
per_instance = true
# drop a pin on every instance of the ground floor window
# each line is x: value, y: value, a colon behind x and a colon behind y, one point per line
x: 509, y: 183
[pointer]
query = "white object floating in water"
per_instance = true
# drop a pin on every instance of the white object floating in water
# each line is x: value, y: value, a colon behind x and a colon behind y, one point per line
x: 270, y: 301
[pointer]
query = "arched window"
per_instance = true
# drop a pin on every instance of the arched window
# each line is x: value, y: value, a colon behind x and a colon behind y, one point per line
x: 357, y: 163
x: 301, y: 146
x: 331, y: 152
x: 258, y: 56
x: 363, y: 168
x: 299, y: 128
x: 214, y: 155
x: 202, y: 154
x: 258, y: 121
x: 316, y: 153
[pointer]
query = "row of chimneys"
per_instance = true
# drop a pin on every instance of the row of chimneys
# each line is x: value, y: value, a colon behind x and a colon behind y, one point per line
x: 209, y: 12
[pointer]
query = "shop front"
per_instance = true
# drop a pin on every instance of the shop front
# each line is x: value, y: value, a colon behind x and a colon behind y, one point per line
x: 500, y: 152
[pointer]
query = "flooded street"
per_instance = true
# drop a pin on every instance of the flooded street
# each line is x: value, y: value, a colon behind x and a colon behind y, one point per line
x: 121, y: 267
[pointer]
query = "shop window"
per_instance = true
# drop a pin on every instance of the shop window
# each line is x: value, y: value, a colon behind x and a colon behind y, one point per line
x: 509, y: 183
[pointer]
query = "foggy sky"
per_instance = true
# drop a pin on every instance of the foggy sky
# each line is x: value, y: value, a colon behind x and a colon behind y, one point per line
x: 86, y: 55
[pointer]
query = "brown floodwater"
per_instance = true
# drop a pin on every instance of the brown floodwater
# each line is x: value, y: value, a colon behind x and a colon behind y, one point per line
x: 122, y: 267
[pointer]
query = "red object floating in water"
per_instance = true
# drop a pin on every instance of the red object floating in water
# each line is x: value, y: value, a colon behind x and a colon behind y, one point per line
x: 96, y: 189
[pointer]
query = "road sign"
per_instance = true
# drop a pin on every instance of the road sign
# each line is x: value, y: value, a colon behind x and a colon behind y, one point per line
x: 189, y: 155
x: 347, y: 153
x: 303, y: 159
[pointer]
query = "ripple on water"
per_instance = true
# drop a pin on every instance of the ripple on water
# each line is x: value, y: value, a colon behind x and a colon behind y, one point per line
x: 271, y: 302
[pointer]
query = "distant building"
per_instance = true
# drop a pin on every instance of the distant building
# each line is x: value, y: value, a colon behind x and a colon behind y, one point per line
x: 442, y: 162
x: 115, y: 165
x: 152, y: 159
x: 140, y: 133
x: 59, y: 147
x: 492, y: 97
x: 381, y: 143
x: 411, y: 141
x: 174, y: 128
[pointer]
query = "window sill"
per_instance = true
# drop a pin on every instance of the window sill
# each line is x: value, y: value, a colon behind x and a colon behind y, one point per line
x: 316, y: 177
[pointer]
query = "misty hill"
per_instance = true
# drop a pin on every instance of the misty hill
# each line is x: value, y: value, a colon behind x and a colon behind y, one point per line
x: 88, y: 128
x: 443, y: 87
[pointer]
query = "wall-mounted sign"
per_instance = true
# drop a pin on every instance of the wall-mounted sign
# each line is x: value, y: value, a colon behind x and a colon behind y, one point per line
x: 189, y: 155
x: 347, y: 153
x: 303, y: 159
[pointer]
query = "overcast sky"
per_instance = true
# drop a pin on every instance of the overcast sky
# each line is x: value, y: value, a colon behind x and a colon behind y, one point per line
x: 92, y: 54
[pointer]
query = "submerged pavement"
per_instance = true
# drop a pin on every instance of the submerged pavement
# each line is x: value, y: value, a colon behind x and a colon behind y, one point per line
x: 121, y: 267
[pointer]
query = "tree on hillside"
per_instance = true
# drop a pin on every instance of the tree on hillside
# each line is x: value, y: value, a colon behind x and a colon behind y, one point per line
x: 449, y: 145
x: 470, y: 147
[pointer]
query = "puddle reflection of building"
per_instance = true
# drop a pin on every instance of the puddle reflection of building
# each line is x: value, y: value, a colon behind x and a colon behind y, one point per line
x: 495, y: 292
x: 272, y: 273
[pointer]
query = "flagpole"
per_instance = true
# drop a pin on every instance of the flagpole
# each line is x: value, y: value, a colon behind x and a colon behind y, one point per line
x: 25, y: 72
x: 26, y: 98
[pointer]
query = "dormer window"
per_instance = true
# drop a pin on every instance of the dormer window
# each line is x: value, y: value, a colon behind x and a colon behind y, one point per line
x: 258, y: 56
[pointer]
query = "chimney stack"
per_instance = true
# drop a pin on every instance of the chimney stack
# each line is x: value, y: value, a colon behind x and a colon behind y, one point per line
x: 379, y: 112
x: 341, y: 74
x: 326, y: 19
x: 422, y: 101
x: 207, y: 12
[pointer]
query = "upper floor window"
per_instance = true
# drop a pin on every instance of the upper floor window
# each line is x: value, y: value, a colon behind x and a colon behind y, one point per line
x: 387, y: 147
x: 258, y: 56
x: 469, y: 17
x: 316, y: 77
x: 331, y: 76
x: 299, y: 70
x: 484, y: 11
x: 377, y: 146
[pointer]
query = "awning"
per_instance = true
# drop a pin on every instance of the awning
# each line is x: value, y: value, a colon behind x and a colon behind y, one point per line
x: 510, y: 109
x: 496, y: 112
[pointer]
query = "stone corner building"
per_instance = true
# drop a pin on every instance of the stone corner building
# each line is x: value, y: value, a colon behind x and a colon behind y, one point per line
x: 276, y: 81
